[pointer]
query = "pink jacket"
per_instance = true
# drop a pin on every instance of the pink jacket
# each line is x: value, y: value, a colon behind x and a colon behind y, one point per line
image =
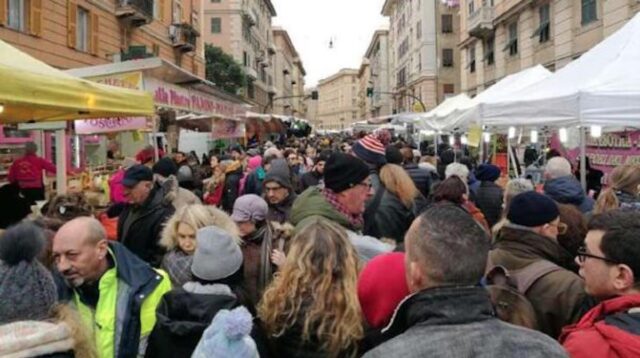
x: 116, y: 190
x: 27, y: 171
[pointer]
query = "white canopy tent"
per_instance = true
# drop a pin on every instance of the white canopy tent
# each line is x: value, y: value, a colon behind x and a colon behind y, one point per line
x: 435, y: 119
x: 600, y: 88
x: 471, y: 111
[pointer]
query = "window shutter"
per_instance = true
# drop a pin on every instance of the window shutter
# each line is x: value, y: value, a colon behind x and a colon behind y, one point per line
x: 3, y: 12
x: 35, y: 18
x: 72, y: 18
x: 95, y: 30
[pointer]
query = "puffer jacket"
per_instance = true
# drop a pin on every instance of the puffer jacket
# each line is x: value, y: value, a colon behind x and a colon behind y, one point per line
x: 421, y: 178
x: 609, y: 330
x: 557, y: 297
x: 628, y: 201
x: 489, y: 201
x: 231, y: 186
x: 392, y: 218
x: 458, y: 322
x: 567, y: 190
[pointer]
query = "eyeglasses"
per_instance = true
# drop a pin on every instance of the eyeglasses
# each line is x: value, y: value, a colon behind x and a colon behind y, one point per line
x: 583, y: 254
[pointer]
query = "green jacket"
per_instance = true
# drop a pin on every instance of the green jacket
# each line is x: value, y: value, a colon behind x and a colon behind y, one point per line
x: 126, y: 311
x: 311, y: 203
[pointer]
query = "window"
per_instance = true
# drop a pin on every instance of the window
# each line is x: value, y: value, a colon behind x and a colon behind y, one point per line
x: 18, y: 14
x: 447, y: 57
x: 472, y: 59
x: 543, y: 29
x: 401, y: 77
x: 82, y: 30
x: 403, y: 48
x: 489, y: 50
x: 448, y: 88
x: 419, y: 29
x: 216, y: 25
x: 354, y: 115
x: 419, y: 61
x: 216, y: 1
x: 512, y: 44
x: 447, y: 23
x: 251, y: 90
x: 471, y: 7
x: 589, y: 12
x: 245, y: 58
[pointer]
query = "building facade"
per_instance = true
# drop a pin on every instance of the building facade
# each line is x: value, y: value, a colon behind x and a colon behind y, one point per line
x: 242, y: 28
x: 422, y: 36
x: 378, y: 54
x: 501, y: 37
x: 311, y: 108
x: 77, y: 33
x: 364, y: 82
x: 288, y: 76
x: 338, y: 100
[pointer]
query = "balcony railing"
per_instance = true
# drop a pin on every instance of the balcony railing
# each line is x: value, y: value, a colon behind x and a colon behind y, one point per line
x: 481, y: 22
x: 137, y: 12
x: 183, y: 37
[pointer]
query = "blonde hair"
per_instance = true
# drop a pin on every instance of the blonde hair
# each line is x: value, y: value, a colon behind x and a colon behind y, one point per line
x: 316, y: 289
x: 197, y: 216
x: 397, y: 180
x: 625, y: 178
x: 83, y: 343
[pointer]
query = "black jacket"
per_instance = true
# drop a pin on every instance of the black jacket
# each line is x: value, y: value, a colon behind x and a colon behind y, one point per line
x: 391, y: 219
x: 308, y: 179
x: 489, y: 201
x: 231, y: 189
x: 421, y: 178
x: 182, y: 317
x: 141, y: 235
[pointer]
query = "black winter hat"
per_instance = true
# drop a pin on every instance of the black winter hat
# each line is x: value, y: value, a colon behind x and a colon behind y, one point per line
x: 136, y: 174
x: 393, y: 154
x: 279, y: 173
x: 532, y: 209
x: 344, y: 171
x: 165, y: 167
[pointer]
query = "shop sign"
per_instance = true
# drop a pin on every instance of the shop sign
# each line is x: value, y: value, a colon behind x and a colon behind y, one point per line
x: 227, y: 128
x: 173, y: 96
x: 131, y: 80
x: 108, y: 125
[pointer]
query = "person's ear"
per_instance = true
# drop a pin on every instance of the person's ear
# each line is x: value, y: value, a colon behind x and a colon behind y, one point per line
x: 103, y: 249
x: 416, y: 279
x: 624, y: 278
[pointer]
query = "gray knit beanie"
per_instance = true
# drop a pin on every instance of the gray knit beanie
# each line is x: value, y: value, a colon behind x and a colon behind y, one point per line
x: 217, y: 254
x: 27, y: 290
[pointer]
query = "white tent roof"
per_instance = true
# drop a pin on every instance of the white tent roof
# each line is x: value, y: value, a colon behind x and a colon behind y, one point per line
x: 435, y: 119
x: 600, y: 88
x: 464, y: 115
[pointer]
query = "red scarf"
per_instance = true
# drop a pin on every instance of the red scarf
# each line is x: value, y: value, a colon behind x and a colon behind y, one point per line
x: 356, y: 221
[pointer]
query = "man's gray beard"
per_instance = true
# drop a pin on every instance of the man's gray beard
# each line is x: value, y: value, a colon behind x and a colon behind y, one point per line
x: 75, y: 283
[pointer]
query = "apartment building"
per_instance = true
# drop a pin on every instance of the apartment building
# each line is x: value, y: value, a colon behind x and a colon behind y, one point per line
x: 77, y: 33
x: 311, y: 108
x: 378, y: 54
x: 501, y: 37
x: 423, y: 37
x: 338, y: 100
x: 242, y: 28
x: 288, y: 76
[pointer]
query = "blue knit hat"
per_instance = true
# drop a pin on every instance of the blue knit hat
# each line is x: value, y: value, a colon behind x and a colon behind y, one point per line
x: 532, y: 209
x: 487, y: 172
x: 228, y: 336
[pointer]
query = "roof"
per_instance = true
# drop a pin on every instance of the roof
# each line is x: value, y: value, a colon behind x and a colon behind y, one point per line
x: 386, y: 8
x: 374, y: 40
x: 272, y: 9
x: 343, y: 72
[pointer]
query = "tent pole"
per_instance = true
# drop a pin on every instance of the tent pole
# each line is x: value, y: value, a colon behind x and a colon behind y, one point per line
x: 61, y: 162
x: 583, y: 160
x: 508, y: 157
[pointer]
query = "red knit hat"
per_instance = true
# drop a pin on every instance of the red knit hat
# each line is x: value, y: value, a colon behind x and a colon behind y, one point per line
x: 370, y: 149
x: 382, y: 285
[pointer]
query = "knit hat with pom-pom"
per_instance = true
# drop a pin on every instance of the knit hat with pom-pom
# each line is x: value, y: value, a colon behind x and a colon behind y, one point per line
x: 27, y: 290
x: 228, y: 336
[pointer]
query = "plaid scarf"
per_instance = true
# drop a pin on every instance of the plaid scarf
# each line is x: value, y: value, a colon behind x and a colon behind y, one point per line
x: 356, y: 221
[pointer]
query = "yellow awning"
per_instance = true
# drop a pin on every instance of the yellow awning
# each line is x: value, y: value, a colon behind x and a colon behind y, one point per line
x: 31, y: 90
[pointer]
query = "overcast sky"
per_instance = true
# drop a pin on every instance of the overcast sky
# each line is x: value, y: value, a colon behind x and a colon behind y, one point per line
x: 313, y: 23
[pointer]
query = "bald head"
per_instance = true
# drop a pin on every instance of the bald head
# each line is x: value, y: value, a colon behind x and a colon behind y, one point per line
x: 80, y: 251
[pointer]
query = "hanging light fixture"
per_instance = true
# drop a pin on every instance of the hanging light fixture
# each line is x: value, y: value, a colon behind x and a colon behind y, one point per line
x: 596, y: 131
x: 534, y: 136
x: 512, y: 132
x: 563, y: 135
x: 487, y: 137
x: 464, y: 140
x: 1, y: 107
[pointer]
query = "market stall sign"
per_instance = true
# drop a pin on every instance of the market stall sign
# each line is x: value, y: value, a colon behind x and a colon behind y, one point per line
x: 131, y: 80
x: 108, y: 125
x: 226, y: 128
x: 173, y: 96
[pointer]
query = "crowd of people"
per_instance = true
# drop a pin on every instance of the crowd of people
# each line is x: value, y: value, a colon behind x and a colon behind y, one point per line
x: 323, y: 246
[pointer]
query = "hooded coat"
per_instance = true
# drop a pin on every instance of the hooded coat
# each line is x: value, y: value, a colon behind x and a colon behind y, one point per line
x: 567, y: 190
x: 231, y: 186
x: 557, y: 297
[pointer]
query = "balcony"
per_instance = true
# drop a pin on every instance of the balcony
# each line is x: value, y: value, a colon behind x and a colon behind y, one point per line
x: 248, y: 16
x: 183, y: 37
x: 251, y: 72
x: 481, y: 22
x: 272, y: 90
x: 135, y: 12
x: 271, y: 48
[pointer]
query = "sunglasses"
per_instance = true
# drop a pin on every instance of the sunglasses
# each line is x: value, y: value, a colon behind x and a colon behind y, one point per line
x: 583, y: 254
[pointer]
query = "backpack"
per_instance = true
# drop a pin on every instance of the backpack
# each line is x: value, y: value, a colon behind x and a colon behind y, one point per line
x: 508, y: 291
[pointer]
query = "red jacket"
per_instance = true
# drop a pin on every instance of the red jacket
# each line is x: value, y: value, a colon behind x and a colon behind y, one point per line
x: 27, y: 171
x: 595, y: 335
